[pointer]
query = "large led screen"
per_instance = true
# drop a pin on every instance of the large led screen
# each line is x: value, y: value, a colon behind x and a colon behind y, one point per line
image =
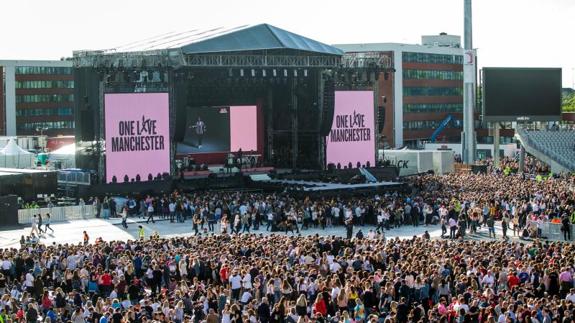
x: 351, y: 139
x: 220, y: 129
x: 243, y: 128
x: 521, y: 94
x: 137, y: 136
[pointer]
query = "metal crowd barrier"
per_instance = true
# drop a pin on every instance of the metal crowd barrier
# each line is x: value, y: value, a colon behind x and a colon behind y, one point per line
x: 553, y: 231
x: 58, y: 214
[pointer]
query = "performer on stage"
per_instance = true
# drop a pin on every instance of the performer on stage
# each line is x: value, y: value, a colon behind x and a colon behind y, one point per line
x: 200, y: 127
x: 240, y: 155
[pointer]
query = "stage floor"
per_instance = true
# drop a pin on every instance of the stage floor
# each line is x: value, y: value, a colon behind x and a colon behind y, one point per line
x: 322, y: 186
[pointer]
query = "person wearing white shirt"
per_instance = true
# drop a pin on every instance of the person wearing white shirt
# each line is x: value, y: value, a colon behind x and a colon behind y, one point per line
x: 247, y: 281
x: 126, y: 304
x: 330, y: 259
x: 334, y: 292
x: 29, y: 281
x: 380, y: 219
x: 236, y: 284
x: 6, y: 265
x: 488, y: 280
x: 335, y: 212
x: 348, y: 213
x: 335, y: 267
x: 246, y: 297
x: 452, y: 228
x: 34, y: 225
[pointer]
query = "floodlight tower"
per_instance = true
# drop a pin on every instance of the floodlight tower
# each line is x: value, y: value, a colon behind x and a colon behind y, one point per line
x: 469, y: 81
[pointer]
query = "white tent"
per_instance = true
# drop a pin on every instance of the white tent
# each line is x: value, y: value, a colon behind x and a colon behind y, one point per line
x: 12, y: 156
x: 66, y: 155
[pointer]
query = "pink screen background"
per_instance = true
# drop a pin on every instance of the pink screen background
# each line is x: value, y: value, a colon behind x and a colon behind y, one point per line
x: 131, y: 106
x: 243, y: 128
x: 344, y: 152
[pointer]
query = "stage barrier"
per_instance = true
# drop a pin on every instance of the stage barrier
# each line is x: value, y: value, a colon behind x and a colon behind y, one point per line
x: 58, y: 214
x: 553, y: 231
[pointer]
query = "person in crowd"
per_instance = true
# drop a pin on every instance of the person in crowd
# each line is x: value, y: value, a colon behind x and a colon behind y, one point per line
x: 85, y: 238
x: 125, y: 217
x: 47, y: 221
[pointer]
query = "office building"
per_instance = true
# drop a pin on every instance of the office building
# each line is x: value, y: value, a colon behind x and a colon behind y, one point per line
x: 425, y: 89
x: 36, y: 98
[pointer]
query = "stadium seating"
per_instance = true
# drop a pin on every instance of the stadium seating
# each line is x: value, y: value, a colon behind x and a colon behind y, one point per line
x: 557, y: 145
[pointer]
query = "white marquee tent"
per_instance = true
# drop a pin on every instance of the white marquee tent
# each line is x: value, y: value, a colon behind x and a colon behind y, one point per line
x: 13, y: 156
x: 65, y: 155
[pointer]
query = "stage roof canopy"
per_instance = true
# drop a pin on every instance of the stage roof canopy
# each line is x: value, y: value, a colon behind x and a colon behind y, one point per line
x: 222, y: 40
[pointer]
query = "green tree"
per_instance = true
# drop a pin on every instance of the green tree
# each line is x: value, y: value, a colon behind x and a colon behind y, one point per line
x: 569, y: 102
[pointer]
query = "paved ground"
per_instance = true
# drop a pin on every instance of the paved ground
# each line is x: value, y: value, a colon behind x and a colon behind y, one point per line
x: 71, y: 232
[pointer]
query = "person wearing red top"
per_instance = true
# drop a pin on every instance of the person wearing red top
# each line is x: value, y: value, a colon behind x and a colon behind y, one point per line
x: 319, y: 306
x: 512, y: 280
x: 46, y: 302
x: 224, y: 274
x: 106, y: 282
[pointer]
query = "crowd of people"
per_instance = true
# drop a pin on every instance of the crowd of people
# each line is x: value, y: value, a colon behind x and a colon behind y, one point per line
x: 460, y: 203
x: 233, y: 273
x: 279, y: 278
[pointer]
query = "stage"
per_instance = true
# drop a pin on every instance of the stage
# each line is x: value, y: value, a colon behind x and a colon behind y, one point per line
x: 221, y: 171
x: 308, y: 186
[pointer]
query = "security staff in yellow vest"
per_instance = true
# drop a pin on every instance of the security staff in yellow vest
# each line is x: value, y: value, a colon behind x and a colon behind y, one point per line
x: 141, y: 232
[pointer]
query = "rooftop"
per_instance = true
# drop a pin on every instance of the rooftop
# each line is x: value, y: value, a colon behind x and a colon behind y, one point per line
x: 222, y: 40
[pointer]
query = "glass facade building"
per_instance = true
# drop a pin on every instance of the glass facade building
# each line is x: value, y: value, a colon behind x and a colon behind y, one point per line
x: 413, y: 57
x: 432, y: 75
x: 432, y: 89
x: 38, y: 98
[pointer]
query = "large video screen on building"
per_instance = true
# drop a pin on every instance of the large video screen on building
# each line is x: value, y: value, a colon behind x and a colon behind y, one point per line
x: 137, y: 136
x: 521, y: 94
x: 352, y: 136
x: 220, y: 129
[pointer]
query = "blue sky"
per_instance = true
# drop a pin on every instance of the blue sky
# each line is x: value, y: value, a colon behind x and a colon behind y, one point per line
x: 527, y: 33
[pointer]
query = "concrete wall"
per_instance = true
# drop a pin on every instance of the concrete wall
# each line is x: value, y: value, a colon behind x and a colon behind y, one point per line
x: 509, y: 150
x: 412, y: 162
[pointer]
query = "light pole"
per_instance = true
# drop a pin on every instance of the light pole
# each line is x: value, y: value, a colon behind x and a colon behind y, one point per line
x: 468, y: 138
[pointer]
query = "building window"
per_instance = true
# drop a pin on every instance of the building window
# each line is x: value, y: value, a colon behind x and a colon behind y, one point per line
x: 423, y: 124
x: 36, y: 98
x: 46, y: 125
x: 432, y: 91
x: 53, y: 70
x: 44, y: 112
x: 44, y: 84
x: 409, y: 74
x: 411, y: 57
x: 433, y: 107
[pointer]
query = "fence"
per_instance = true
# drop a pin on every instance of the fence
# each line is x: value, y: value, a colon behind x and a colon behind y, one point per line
x: 58, y: 214
x: 552, y: 230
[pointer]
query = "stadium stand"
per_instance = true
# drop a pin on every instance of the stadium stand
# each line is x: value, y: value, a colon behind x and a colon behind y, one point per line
x: 554, y: 147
